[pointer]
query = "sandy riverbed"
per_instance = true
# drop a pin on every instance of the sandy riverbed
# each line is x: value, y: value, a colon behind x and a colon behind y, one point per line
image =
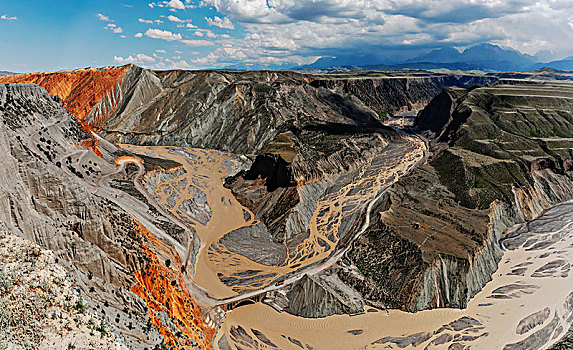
x: 523, y: 307
x: 204, y: 171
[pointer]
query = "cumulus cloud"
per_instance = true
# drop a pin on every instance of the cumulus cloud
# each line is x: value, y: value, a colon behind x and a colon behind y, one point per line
x: 224, y: 22
x: 206, y: 33
x: 461, y: 11
x: 114, y: 28
x: 155, y: 61
x: 196, y: 43
x: 176, y: 19
x: 139, y: 58
x: 176, y: 4
x: 173, y: 5
x: 8, y: 18
x: 103, y: 18
x: 170, y: 36
x: 162, y: 34
x: 138, y: 35
x: 149, y: 21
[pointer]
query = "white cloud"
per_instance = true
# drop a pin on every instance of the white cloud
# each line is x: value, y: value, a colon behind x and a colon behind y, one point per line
x: 155, y: 62
x: 138, y: 35
x: 103, y: 18
x: 8, y: 18
x: 114, y: 28
x: 210, y: 59
x: 177, y: 19
x: 196, y: 43
x: 224, y: 22
x: 163, y: 34
x: 176, y: 4
x: 173, y: 5
x: 149, y: 21
x: 170, y: 36
x: 139, y: 58
x: 160, y: 51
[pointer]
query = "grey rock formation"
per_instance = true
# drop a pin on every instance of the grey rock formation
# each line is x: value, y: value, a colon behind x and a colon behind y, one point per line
x: 323, y: 295
x: 487, y: 174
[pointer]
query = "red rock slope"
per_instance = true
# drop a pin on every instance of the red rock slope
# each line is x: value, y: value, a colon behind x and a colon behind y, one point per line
x: 80, y: 89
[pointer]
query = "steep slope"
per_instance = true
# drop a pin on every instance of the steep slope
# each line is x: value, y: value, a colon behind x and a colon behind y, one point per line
x: 204, y: 108
x: 238, y: 112
x: 502, y: 156
x: 80, y: 90
x: 41, y: 309
x: 62, y: 196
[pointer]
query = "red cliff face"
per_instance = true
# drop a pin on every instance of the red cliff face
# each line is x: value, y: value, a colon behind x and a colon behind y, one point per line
x: 80, y: 90
x: 163, y: 290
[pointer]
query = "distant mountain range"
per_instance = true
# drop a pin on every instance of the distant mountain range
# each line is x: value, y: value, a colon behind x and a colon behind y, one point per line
x: 4, y: 73
x: 485, y: 57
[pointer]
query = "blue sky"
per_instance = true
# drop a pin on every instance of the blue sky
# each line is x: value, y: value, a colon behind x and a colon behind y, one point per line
x: 51, y: 35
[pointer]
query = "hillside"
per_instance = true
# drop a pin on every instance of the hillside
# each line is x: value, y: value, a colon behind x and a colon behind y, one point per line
x: 41, y: 309
x: 502, y: 155
x: 174, y: 197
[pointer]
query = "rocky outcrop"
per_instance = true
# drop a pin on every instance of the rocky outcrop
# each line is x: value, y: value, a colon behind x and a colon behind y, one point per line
x: 273, y: 169
x: 298, y: 218
x: 203, y: 108
x: 396, y: 92
x: 255, y: 243
x: 216, y: 109
x: 323, y: 295
x: 487, y: 174
x: 41, y: 308
x: 80, y: 90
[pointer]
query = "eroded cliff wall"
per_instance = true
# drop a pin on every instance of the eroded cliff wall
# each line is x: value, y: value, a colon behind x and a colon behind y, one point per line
x: 501, y: 157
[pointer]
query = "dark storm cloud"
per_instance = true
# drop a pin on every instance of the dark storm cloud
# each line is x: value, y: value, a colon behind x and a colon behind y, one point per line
x: 456, y: 11
x: 303, y: 30
x: 317, y: 10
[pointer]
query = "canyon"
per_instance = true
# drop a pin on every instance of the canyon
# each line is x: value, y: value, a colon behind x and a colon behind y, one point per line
x: 231, y: 210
